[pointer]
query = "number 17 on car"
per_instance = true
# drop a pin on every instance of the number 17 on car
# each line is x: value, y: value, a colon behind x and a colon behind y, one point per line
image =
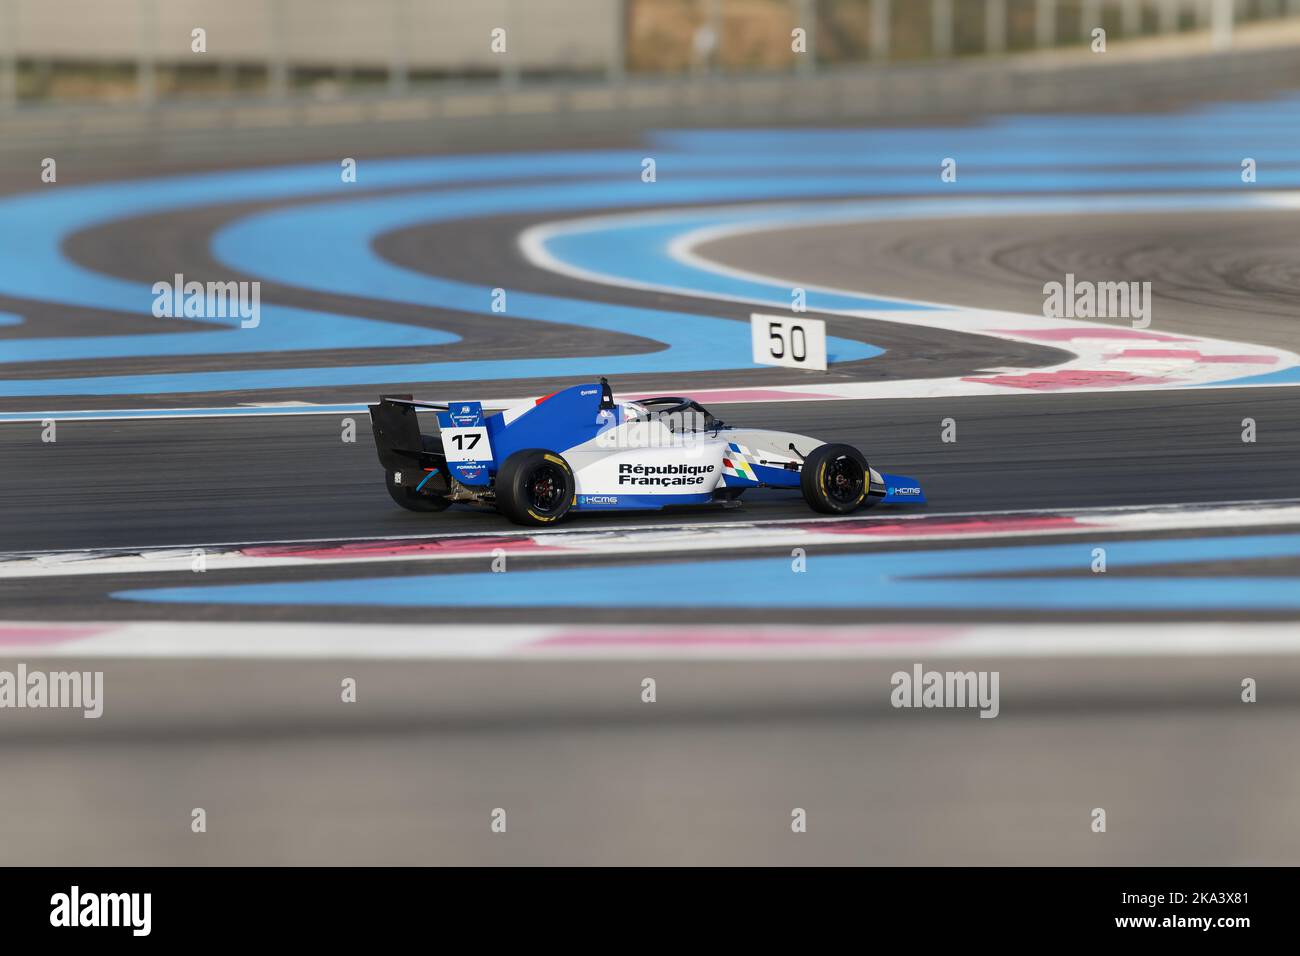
x: 790, y: 341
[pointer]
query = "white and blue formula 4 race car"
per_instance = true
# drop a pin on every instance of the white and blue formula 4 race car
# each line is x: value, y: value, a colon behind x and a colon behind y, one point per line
x: 579, y: 450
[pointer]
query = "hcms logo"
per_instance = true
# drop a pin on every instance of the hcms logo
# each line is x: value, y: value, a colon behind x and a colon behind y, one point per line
x: 600, y: 500
x: 908, y: 490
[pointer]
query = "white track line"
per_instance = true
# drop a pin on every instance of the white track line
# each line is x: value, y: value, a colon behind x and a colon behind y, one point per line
x: 701, y: 538
x: 756, y: 395
x: 1090, y: 354
x: 1192, y: 506
x: 910, y: 642
x: 1105, y: 358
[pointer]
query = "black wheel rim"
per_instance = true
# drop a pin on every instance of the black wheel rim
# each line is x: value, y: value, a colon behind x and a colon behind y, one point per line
x: 843, y: 480
x: 545, y: 488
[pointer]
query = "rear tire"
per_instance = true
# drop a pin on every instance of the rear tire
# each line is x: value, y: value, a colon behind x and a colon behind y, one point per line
x: 535, y: 487
x: 835, y: 479
x: 413, y: 500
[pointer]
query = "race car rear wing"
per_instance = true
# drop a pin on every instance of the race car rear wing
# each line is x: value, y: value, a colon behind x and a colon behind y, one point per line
x: 407, y: 400
x: 397, y: 430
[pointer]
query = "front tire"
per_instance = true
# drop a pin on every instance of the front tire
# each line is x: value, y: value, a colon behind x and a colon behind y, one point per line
x: 835, y: 479
x: 535, y: 487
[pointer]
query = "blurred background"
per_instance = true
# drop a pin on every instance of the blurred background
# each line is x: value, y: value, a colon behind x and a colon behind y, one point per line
x: 118, y: 70
x: 118, y: 51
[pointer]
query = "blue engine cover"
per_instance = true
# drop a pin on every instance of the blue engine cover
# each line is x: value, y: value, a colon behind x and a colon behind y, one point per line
x: 556, y: 423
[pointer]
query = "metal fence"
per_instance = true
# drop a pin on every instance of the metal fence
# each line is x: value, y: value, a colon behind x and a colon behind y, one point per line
x: 152, y: 51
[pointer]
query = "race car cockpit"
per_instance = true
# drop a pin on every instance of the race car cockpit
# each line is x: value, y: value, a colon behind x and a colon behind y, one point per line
x: 679, y: 415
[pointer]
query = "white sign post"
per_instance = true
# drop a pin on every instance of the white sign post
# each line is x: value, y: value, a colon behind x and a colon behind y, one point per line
x: 790, y: 341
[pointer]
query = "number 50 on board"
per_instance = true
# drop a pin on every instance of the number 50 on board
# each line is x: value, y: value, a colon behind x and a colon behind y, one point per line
x: 791, y: 341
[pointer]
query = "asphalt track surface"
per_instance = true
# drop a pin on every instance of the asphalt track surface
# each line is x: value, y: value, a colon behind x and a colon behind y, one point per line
x: 710, y: 773
x: 1229, y: 274
x: 124, y: 484
x: 261, y: 481
x: 482, y: 251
